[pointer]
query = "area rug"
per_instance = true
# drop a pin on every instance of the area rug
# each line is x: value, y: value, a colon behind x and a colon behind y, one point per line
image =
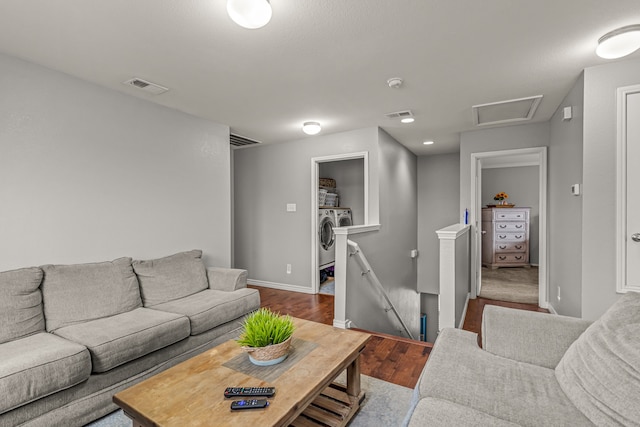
x: 513, y: 284
x: 386, y: 404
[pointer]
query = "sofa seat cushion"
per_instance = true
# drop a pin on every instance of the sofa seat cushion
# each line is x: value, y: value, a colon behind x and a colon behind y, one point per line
x: 437, y: 412
x: 115, y: 340
x: 461, y: 372
x: 81, y: 292
x: 20, y: 303
x: 170, y: 278
x: 210, y: 308
x: 39, y: 365
x: 600, y: 372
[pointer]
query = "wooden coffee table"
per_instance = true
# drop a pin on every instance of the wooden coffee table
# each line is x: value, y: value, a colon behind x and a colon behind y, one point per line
x: 191, y: 393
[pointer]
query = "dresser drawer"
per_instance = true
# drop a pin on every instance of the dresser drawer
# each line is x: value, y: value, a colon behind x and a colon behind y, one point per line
x: 511, y: 258
x: 510, y: 215
x: 511, y: 226
x: 510, y: 247
x: 510, y: 237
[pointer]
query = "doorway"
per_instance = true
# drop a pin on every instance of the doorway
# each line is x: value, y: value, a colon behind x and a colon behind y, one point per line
x: 509, y: 159
x: 351, y: 175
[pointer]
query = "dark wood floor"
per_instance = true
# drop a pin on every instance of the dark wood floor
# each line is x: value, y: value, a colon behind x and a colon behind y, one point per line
x: 389, y: 358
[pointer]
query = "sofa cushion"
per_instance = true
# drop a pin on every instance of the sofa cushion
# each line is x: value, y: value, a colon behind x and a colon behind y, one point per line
x: 20, y: 303
x: 171, y: 278
x: 39, y: 365
x: 600, y: 372
x: 115, y: 340
x: 82, y: 292
x: 461, y: 372
x: 437, y: 412
x: 209, y: 308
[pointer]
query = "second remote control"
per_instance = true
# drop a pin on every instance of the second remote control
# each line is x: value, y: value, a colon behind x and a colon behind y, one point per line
x: 249, y: 391
x: 249, y: 404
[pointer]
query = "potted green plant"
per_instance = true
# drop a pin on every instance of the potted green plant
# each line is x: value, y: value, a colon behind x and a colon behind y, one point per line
x: 266, y: 336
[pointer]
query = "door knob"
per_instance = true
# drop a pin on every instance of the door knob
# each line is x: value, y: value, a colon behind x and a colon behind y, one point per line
x: 635, y: 237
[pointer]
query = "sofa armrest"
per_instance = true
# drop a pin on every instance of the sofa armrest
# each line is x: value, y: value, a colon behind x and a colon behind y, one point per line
x: 528, y: 336
x: 226, y: 279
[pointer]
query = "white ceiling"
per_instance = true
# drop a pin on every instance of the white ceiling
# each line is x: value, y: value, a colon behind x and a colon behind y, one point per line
x: 324, y: 60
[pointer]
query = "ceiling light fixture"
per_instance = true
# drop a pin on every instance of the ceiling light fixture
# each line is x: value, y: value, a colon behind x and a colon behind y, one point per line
x: 250, y: 14
x: 408, y: 120
x: 428, y: 142
x: 619, y: 43
x: 311, y: 128
x: 395, y: 82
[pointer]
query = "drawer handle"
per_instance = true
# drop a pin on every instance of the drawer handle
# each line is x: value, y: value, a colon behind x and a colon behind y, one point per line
x: 519, y: 226
x: 518, y: 237
x: 518, y: 246
x: 502, y: 258
x: 503, y: 246
x: 519, y: 257
x: 502, y: 236
x: 502, y: 226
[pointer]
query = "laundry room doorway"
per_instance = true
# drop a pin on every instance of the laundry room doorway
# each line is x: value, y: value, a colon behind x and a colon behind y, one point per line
x: 339, y: 199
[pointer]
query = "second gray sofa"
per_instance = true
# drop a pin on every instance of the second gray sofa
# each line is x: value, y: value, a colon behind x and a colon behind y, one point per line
x: 71, y: 336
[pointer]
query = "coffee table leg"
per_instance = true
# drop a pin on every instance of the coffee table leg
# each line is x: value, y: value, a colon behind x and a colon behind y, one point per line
x: 353, y: 379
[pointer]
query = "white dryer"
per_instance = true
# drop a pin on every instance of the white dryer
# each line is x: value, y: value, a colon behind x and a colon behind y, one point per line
x: 343, y: 217
x: 326, y: 238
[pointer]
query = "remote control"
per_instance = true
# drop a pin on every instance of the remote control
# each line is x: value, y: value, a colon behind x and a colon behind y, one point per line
x: 249, y: 404
x: 249, y: 391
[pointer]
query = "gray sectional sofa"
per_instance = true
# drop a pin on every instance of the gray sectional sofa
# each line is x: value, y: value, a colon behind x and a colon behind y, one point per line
x: 71, y: 336
x: 535, y: 369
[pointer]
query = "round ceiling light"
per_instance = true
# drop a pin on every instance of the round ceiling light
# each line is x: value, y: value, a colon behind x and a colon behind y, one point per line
x: 250, y: 14
x: 428, y: 143
x: 619, y: 43
x: 311, y: 128
x: 408, y: 120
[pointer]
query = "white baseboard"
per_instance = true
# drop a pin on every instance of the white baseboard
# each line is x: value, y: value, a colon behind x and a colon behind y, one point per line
x: 551, y: 309
x: 342, y: 324
x: 464, y: 311
x: 281, y: 286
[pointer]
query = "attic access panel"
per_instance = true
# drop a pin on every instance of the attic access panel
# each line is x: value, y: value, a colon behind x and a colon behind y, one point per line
x: 513, y: 110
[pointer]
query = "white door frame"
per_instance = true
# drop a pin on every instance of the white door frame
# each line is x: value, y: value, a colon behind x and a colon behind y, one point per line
x: 536, y: 156
x: 315, y: 175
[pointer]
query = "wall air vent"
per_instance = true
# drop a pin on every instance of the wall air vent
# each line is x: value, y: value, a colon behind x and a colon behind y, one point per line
x: 513, y: 110
x: 146, y: 86
x: 241, y: 141
x: 399, y: 114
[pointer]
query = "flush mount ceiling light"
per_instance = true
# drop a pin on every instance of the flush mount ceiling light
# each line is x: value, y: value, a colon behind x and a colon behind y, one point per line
x: 311, y: 128
x: 408, y: 120
x: 395, y: 82
x: 428, y: 142
x: 249, y: 14
x: 619, y: 43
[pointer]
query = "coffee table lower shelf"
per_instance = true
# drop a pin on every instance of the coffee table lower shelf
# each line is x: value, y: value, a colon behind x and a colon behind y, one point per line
x: 333, y: 407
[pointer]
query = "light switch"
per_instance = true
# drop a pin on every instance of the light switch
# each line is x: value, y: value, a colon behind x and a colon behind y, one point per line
x: 291, y: 207
x: 575, y: 189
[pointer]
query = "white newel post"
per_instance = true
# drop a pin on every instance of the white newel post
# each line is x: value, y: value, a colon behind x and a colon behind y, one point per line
x: 449, y: 238
x: 340, y: 277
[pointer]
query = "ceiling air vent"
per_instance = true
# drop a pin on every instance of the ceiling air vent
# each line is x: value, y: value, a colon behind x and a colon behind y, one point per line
x: 146, y: 86
x: 241, y: 141
x: 513, y: 110
x: 399, y: 114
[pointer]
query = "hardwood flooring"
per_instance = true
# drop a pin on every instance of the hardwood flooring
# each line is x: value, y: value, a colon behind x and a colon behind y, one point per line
x: 386, y: 357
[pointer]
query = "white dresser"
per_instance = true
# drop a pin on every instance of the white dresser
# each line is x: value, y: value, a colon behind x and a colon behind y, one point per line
x: 505, y: 237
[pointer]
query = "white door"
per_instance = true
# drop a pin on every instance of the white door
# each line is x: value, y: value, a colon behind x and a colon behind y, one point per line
x: 629, y: 188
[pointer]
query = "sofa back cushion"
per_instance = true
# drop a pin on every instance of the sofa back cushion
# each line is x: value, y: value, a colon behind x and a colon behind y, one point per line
x: 600, y: 372
x: 20, y: 303
x: 82, y: 292
x: 172, y: 277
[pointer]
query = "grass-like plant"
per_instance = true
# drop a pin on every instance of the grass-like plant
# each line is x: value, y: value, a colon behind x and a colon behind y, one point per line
x: 263, y: 327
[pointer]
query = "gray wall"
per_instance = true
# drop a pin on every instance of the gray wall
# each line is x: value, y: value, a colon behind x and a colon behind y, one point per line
x: 599, y: 202
x: 266, y: 178
x: 522, y: 185
x: 89, y: 174
x: 388, y: 250
x: 565, y: 209
x: 349, y: 176
x: 438, y: 207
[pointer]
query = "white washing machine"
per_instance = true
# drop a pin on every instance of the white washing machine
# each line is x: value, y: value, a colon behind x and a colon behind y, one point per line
x: 343, y: 217
x: 326, y: 238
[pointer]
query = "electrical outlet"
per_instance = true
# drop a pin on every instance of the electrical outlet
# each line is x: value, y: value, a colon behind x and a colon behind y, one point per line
x: 558, y: 293
x: 288, y: 268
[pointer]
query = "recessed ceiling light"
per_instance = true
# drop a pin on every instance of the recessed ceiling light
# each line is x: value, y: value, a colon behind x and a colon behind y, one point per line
x: 408, y: 120
x: 619, y: 43
x: 428, y: 142
x: 311, y: 128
